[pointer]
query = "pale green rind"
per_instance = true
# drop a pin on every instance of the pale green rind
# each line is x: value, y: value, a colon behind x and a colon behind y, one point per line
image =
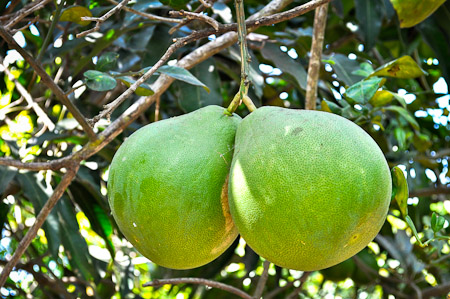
x: 294, y: 173
x: 165, y: 188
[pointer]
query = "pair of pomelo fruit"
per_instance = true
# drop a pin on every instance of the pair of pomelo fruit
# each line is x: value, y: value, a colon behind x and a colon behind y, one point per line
x: 305, y: 189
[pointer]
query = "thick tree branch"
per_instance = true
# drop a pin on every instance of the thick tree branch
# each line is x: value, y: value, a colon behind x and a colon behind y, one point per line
x: 320, y: 20
x: 200, y: 281
x: 36, y: 166
x: 430, y: 191
x: 49, y: 82
x: 99, y: 21
x: 46, y: 209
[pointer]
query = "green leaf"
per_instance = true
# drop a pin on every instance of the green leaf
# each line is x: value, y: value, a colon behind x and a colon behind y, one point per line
x: 7, y: 174
x: 181, y: 74
x: 191, y: 97
x: 404, y: 68
x: 412, y: 12
x: 437, y: 222
x: 176, y: 4
x: 143, y: 90
x: 400, y: 135
x: 400, y: 191
x: 37, y: 193
x: 365, y: 70
x: 344, y: 68
x: 436, y: 37
x: 74, y: 14
x: 330, y: 107
x: 369, y: 18
x: 364, y: 90
x: 413, y: 228
x: 405, y: 114
x: 99, y: 81
x: 381, y: 98
x: 74, y: 244
x: 107, y: 62
x: 285, y: 63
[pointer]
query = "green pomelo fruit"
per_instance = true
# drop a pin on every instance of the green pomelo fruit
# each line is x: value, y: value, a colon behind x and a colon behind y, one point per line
x: 168, y: 188
x: 307, y: 189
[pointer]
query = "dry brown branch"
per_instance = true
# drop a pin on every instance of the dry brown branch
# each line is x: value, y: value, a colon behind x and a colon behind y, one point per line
x: 46, y: 209
x: 184, y: 22
x: 205, y: 3
x: 262, y: 281
x: 200, y: 281
x: 36, y: 166
x: 252, y: 23
x: 195, y: 16
x: 47, y: 80
x: 147, y: 15
x: 22, y: 90
x: 439, y: 290
x: 276, y: 291
x: 320, y: 20
x: 22, y: 13
x: 430, y: 191
x: 99, y: 21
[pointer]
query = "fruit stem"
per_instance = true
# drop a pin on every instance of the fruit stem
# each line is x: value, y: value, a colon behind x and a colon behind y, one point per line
x: 245, y: 59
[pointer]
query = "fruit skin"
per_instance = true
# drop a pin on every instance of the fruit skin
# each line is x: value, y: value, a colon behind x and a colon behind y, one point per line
x: 168, y: 191
x: 307, y: 189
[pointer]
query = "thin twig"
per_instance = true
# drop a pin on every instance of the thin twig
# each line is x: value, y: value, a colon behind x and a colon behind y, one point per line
x: 262, y: 280
x: 47, y: 80
x: 297, y: 291
x: 99, y: 21
x: 320, y: 20
x: 109, y: 108
x: 199, y: 9
x: 22, y: 90
x: 147, y: 15
x: 46, y: 209
x: 30, y: 22
x: 200, y: 281
x: 195, y: 16
x: 254, y: 23
x: 275, y: 292
x: 205, y: 3
x: 19, y: 15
